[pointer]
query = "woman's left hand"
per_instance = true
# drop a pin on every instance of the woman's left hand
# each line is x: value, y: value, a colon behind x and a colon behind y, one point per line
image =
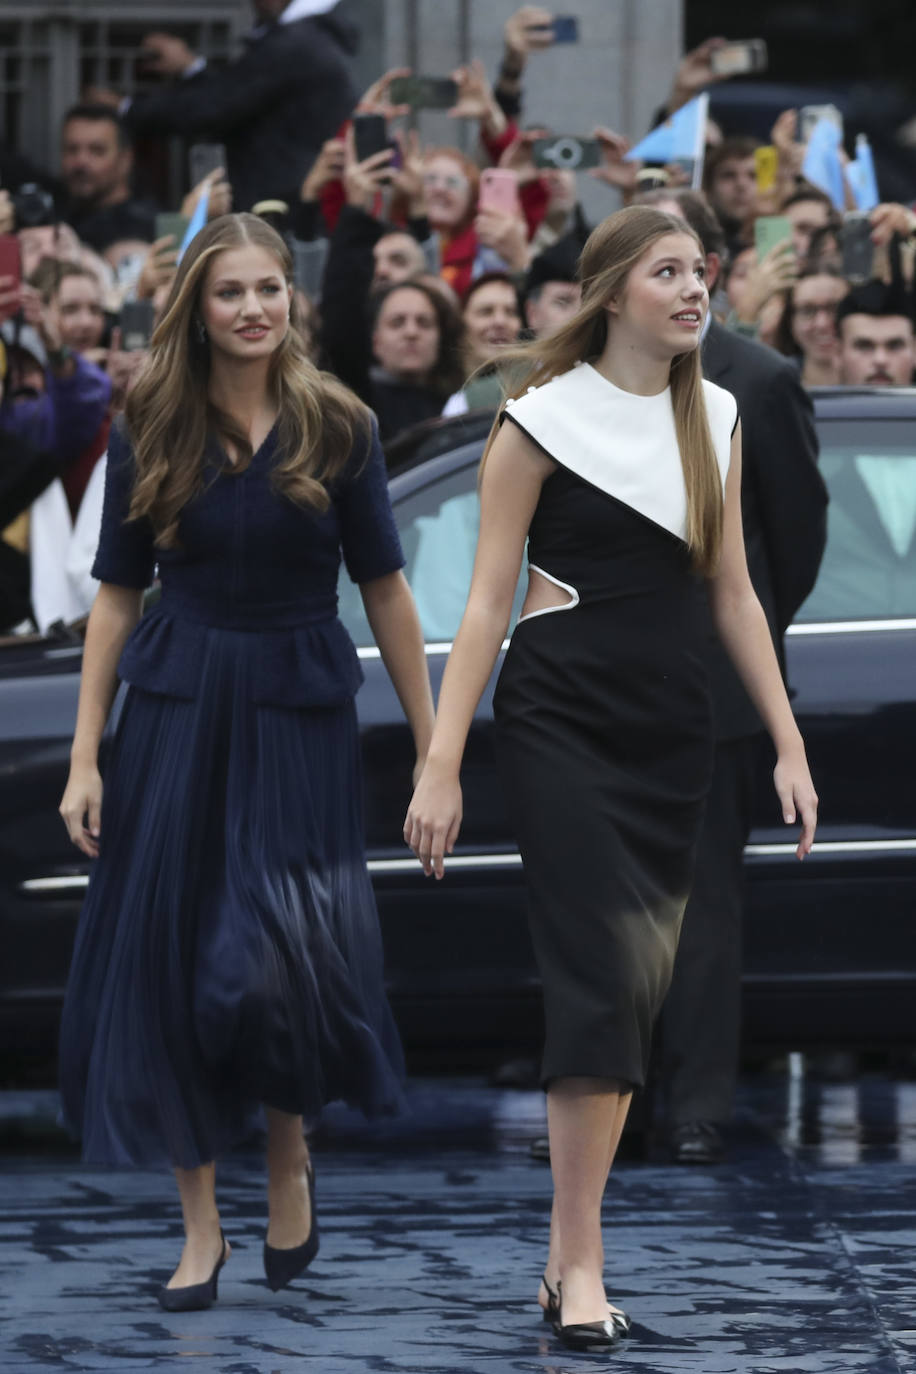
x: 792, y: 779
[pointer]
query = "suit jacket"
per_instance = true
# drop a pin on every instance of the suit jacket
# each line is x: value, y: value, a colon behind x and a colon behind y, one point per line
x: 273, y: 107
x: 783, y: 501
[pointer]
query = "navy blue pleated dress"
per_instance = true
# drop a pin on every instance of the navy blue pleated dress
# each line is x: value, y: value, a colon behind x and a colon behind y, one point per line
x: 228, y: 953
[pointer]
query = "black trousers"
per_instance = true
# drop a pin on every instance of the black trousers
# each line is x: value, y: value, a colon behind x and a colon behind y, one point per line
x: 701, y: 1018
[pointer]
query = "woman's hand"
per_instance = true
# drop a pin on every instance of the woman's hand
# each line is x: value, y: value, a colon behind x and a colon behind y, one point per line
x: 777, y: 271
x: 364, y: 180
x: 506, y: 234
x: 434, y: 818
x: 327, y: 167
x: 82, y: 802
x: 476, y: 100
x: 220, y: 202
x: 159, y: 267
x: 792, y: 779
x: 377, y: 99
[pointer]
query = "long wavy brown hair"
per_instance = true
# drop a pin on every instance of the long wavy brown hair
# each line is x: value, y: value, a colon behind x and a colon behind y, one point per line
x: 170, y: 417
x: 609, y: 255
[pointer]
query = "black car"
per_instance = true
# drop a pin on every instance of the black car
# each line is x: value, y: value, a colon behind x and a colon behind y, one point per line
x: 830, y: 945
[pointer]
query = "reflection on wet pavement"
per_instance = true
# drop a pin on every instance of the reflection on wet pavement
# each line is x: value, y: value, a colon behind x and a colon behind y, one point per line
x: 795, y: 1257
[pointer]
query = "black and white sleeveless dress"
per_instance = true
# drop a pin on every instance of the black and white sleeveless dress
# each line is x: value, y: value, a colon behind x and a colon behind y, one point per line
x: 603, y: 715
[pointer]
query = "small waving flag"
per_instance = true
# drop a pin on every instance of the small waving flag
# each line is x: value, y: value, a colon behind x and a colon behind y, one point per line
x: 682, y: 138
x: 822, y: 165
x: 196, y: 222
x: 860, y: 173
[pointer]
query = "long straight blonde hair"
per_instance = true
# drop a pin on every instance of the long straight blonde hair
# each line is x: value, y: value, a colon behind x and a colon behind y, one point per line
x: 170, y: 416
x: 609, y: 255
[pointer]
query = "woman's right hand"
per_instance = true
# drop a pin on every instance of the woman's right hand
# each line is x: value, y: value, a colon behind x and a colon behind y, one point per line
x: 434, y: 818
x: 82, y: 802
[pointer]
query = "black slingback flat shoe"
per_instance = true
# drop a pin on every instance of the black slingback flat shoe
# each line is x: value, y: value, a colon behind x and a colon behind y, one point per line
x: 551, y: 1312
x: 584, y: 1335
x: 282, y: 1266
x: 194, y: 1297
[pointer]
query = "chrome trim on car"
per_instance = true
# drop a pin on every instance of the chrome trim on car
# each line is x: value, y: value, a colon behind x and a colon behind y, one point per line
x: 839, y: 627
x: 78, y: 882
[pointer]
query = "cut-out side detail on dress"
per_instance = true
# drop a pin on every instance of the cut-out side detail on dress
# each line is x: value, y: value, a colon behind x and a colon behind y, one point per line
x: 561, y: 605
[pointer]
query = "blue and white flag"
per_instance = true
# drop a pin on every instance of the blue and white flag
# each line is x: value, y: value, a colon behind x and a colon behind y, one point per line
x: 196, y: 222
x: 860, y: 173
x: 822, y: 165
x: 682, y: 138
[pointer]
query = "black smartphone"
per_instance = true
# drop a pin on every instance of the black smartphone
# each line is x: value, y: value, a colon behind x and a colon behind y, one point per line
x: 424, y: 92
x: 370, y: 134
x: 857, y: 248
x: 566, y: 153
x: 204, y: 158
x: 566, y: 29
x: 136, y: 325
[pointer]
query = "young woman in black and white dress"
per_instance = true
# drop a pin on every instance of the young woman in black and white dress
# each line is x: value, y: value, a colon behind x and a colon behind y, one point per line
x: 622, y: 469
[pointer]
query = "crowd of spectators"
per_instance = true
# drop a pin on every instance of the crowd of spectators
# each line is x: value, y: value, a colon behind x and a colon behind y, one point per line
x: 412, y: 275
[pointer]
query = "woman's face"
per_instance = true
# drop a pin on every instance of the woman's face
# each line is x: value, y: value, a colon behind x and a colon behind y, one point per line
x: 663, y: 304
x: 737, y: 277
x: 448, y: 192
x: 77, y: 307
x: 491, y: 321
x: 244, y: 303
x: 405, y: 341
x: 814, y: 303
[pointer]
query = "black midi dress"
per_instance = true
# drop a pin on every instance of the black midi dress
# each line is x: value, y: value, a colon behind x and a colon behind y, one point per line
x: 228, y: 954
x: 603, y: 715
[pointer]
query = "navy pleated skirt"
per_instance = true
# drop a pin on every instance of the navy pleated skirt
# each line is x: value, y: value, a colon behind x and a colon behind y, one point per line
x: 228, y: 954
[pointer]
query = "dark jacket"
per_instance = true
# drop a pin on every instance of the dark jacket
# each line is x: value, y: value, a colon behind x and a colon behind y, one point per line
x: 783, y: 500
x: 346, y: 332
x: 273, y: 107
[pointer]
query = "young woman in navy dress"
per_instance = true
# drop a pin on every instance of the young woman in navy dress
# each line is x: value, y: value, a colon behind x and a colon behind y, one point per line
x: 228, y: 955
x: 622, y: 469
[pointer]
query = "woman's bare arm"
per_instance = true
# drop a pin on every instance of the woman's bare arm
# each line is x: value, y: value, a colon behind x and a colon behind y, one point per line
x: 512, y: 479
x: 114, y: 614
x: 743, y: 629
x: 392, y: 615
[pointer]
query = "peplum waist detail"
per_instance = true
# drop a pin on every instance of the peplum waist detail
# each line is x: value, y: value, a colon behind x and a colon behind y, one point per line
x: 281, y: 655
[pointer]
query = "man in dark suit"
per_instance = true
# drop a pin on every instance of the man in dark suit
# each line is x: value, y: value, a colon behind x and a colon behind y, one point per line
x: 273, y: 107
x: 784, y: 506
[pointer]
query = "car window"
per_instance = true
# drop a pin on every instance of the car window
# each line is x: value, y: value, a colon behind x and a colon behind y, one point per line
x: 869, y: 566
x: 438, y: 525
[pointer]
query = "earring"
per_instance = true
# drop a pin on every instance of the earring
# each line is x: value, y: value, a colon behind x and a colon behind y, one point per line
x: 201, y: 329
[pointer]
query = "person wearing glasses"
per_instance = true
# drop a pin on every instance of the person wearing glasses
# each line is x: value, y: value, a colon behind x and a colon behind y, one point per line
x: 807, y: 329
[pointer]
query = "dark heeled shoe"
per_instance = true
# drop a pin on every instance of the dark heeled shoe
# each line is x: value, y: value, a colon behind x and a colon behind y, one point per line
x: 551, y: 1312
x: 194, y: 1297
x: 282, y: 1266
x: 584, y: 1335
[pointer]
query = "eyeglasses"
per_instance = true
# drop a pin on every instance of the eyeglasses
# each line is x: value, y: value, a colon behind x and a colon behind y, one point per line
x: 811, y: 312
x: 451, y: 182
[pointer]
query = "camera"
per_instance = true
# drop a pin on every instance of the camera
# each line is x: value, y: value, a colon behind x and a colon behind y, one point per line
x: 566, y: 153
x: 33, y: 206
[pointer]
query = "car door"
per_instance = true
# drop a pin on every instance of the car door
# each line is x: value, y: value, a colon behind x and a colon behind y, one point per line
x: 831, y: 944
x: 463, y: 942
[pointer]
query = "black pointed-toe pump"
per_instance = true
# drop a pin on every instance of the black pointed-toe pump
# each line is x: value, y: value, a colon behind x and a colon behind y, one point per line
x: 195, y: 1297
x: 282, y: 1266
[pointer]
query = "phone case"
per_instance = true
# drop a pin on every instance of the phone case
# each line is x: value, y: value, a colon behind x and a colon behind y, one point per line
x: 170, y: 222
x: 499, y: 191
x: 136, y: 324
x: 204, y: 158
x: 566, y: 153
x: 370, y: 135
x: 424, y: 92
x: 566, y: 29
x: 766, y: 161
x: 770, y: 230
x: 10, y: 261
x: 857, y: 248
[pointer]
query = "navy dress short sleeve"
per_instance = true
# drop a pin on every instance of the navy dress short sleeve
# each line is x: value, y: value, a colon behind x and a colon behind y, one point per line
x: 125, y: 554
x: 368, y: 533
